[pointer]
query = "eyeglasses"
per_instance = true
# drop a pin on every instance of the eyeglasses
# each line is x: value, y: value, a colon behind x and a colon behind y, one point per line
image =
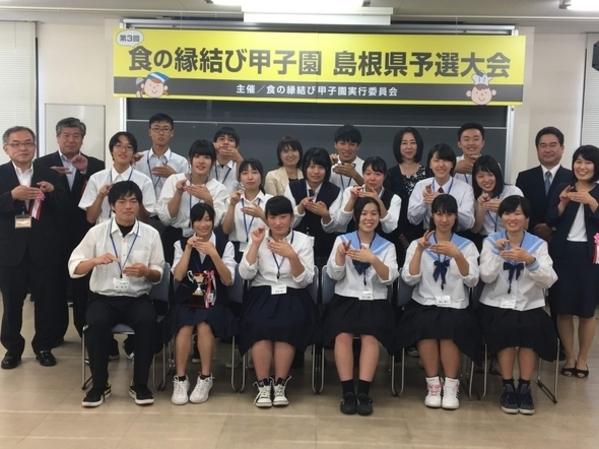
x: 16, y: 145
x: 161, y: 130
x: 120, y: 146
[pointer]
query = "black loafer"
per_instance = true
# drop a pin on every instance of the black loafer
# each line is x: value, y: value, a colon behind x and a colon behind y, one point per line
x: 348, y: 404
x: 46, y: 358
x: 10, y: 361
x: 364, y: 404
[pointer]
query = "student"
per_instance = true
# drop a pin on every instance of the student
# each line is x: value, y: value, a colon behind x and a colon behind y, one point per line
x: 182, y: 191
x: 471, y: 140
x: 122, y: 146
x: 159, y: 162
x: 442, y: 266
x: 441, y: 161
x: 515, y: 267
x: 125, y: 258
x: 279, y: 316
x: 347, y: 166
x: 315, y: 201
x: 245, y: 211
x: 364, y: 265
x: 289, y: 157
x: 226, y: 141
x: 203, y: 253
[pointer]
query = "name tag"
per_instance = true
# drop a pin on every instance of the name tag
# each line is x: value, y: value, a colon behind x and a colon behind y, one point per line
x: 211, y: 298
x: 310, y: 240
x: 121, y: 284
x: 242, y: 246
x: 443, y: 301
x: 22, y: 221
x: 187, y: 232
x: 365, y: 296
x: 279, y: 289
x: 508, y: 303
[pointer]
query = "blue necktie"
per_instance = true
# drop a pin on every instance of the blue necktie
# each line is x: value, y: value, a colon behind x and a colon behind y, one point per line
x: 513, y: 269
x: 441, y: 269
x: 547, y: 182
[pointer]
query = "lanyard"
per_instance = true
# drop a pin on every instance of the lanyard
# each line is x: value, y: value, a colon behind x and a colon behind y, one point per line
x: 466, y: 178
x: 245, y: 225
x: 110, y: 182
x: 448, y: 191
x: 363, y: 265
x: 495, y: 220
x: 282, y: 258
x: 190, y: 195
x: 150, y: 170
x: 226, y: 174
x: 130, y: 248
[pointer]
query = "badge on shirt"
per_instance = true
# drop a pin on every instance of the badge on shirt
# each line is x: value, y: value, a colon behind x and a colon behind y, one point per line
x: 310, y: 240
x: 121, y: 284
x: 443, y: 301
x: 508, y: 302
x: 279, y: 289
x: 22, y: 221
x: 366, y: 296
x: 242, y: 246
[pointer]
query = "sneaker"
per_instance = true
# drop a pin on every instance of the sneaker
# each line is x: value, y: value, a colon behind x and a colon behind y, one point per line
x: 508, y: 400
x: 141, y: 394
x: 263, y: 399
x: 237, y: 359
x: 364, y: 404
x: 413, y: 352
x: 524, y: 400
x: 130, y: 356
x: 280, y: 400
x: 348, y: 404
x: 180, y: 390
x: 201, y: 390
x: 96, y: 396
x: 195, y: 357
x: 451, y: 394
x: 434, y: 386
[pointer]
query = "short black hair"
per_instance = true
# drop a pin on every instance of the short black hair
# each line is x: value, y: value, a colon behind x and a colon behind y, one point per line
x: 397, y: 144
x: 348, y: 133
x: 198, y: 211
x: 549, y: 130
x: 511, y: 203
x: 278, y: 205
x: 444, y: 152
x: 471, y: 125
x: 124, y: 189
x: 202, y: 147
x: 289, y: 142
x: 160, y: 117
x: 588, y: 153
x: 359, y: 206
x: 254, y: 164
x: 447, y: 204
x: 375, y: 163
x: 488, y: 164
x: 115, y: 139
x: 318, y: 156
x: 227, y: 131
x: 71, y: 122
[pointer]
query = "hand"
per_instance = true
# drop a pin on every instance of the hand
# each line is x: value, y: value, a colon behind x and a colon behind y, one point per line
x: 192, y: 242
x: 501, y: 243
x: 230, y: 153
x: 62, y: 170
x: 581, y: 197
x: 207, y: 248
x: 345, y: 170
x: 482, y: 199
x: 301, y: 207
x: 319, y: 208
x: 355, y: 193
x: 24, y: 193
x: 448, y: 249
x: 103, y: 192
x: 236, y: 197
x: 200, y: 192
x: 137, y: 270
x: 281, y: 248
x: 253, y: 210
x: 137, y: 157
x: 543, y: 231
x: 361, y: 255
x: 492, y: 205
x: 334, y: 158
x: 163, y: 171
x: 517, y: 255
x: 424, y: 241
x: 405, y: 243
x: 46, y: 187
x: 428, y: 196
x: 106, y: 259
x: 79, y: 162
x: 564, y: 197
x: 258, y: 235
x: 343, y: 248
x: 465, y: 166
x: 180, y: 186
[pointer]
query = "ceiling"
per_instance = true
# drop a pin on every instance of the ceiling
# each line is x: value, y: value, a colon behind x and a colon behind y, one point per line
x: 543, y: 14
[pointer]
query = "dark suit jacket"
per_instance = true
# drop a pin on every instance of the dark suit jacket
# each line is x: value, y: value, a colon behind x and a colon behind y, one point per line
x: 41, y: 239
x: 563, y: 223
x: 532, y: 184
x: 73, y: 225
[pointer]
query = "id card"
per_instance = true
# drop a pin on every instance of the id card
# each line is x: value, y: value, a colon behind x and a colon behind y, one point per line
x: 22, y: 221
x: 310, y: 240
x: 443, y: 301
x: 242, y: 246
x: 508, y: 303
x: 211, y: 298
x: 365, y: 296
x: 279, y: 289
x: 121, y: 284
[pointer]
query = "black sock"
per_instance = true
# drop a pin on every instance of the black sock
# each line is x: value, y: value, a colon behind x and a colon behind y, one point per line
x: 363, y: 386
x: 265, y: 381
x: 280, y: 381
x: 204, y: 377
x: 523, y: 382
x: 182, y: 378
x: 509, y: 382
x: 348, y: 386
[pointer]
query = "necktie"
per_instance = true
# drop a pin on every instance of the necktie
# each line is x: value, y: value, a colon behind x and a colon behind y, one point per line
x: 441, y: 270
x: 441, y: 190
x: 547, y: 182
x: 513, y: 269
x: 310, y: 192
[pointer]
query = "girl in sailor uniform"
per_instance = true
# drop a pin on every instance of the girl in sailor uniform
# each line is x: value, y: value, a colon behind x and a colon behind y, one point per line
x: 364, y: 264
x: 279, y: 316
x: 515, y: 267
x: 442, y: 266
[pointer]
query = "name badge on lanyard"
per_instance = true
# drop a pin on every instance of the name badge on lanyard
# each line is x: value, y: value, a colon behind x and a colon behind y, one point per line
x: 366, y: 296
x: 22, y: 221
x: 443, y: 301
x: 509, y: 302
x: 278, y: 289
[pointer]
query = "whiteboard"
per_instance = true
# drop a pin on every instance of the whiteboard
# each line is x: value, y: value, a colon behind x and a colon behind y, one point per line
x: 92, y: 115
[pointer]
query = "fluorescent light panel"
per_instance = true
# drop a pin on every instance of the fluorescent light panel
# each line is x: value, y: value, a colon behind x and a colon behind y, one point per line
x: 581, y: 5
x: 317, y: 18
x: 304, y: 4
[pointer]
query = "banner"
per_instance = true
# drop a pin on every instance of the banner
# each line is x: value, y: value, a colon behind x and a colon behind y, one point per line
x: 319, y: 67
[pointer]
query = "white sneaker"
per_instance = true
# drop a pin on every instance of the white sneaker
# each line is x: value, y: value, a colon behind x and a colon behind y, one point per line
x: 280, y: 400
x: 263, y: 399
x: 237, y: 359
x: 433, y: 396
x: 200, y: 392
x: 180, y: 390
x: 451, y: 394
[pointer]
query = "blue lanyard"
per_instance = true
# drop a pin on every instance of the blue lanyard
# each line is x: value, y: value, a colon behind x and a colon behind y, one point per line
x: 362, y: 263
x: 130, y: 248
x: 448, y: 191
x: 226, y: 174
x: 282, y: 259
x: 190, y: 195
x: 150, y: 170
x: 466, y: 178
x: 110, y: 182
x: 245, y: 225
x: 493, y: 220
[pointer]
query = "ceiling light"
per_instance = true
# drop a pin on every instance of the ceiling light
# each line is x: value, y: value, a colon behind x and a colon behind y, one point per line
x: 579, y: 5
x: 345, y: 4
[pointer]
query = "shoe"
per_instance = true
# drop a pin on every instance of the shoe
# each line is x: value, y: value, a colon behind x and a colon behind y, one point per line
x: 263, y: 399
x: 434, y: 386
x: 195, y: 357
x: 45, y: 358
x: 348, y: 404
x: 508, y: 400
x: 10, y: 361
x: 237, y: 360
x: 524, y: 400
x: 130, y: 356
x: 569, y: 372
x: 413, y: 352
x: 364, y: 404
x: 180, y: 390
x: 201, y: 390
x: 451, y: 394
x: 141, y: 394
x: 582, y: 373
x: 96, y: 396
x: 280, y: 400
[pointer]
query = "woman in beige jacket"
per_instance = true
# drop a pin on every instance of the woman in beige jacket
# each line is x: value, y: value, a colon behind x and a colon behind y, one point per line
x: 289, y: 155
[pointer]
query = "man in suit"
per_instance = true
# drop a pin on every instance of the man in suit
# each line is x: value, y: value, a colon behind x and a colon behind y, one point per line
x: 31, y: 198
x: 74, y: 170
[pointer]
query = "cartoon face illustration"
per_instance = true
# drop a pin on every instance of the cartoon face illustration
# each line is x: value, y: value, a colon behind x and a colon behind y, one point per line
x: 481, y: 93
x: 153, y: 86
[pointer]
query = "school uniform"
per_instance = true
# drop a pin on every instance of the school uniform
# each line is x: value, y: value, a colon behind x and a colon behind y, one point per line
x: 360, y: 304
x: 493, y: 222
x: 511, y: 312
x: 343, y: 182
x: 277, y: 180
x: 149, y: 160
x: 440, y: 306
x: 226, y: 175
x: 277, y: 306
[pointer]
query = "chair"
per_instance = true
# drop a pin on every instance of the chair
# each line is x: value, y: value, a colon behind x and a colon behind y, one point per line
x: 159, y: 292
x: 404, y: 296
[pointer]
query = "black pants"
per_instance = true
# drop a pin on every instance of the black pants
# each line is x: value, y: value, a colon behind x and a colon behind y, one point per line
x: 103, y: 313
x: 14, y: 283
x: 80, y: 295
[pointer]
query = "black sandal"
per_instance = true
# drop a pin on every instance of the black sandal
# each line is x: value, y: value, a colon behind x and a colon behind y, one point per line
x: 569, y: 372
x: 582, y: 373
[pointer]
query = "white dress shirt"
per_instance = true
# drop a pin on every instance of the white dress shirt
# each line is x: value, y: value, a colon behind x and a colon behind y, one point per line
x: 492, y: 222
x: 427, y: 289
x: 149, y: 160
x: 351, y: 284
x: 578, y: 230
x: 243, y: 224
x: 388, y: 224
x: 24, y: 177
x: 66, y: 163
x: 330, y: 227
x: 528, y: 288
x: 181, y: 220
x: 553, y: 172
x: 226, y: 175
x: 343, y: 182
x: 419, y: 211
x: 141, y: 245
x: 264, y: 270
x: 111, y: 176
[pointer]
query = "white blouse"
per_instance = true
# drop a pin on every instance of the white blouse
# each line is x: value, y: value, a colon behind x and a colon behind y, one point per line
x: 244, y: 224
x: 493, y: 222
x: 330, y: 227
x: 388, y: 224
